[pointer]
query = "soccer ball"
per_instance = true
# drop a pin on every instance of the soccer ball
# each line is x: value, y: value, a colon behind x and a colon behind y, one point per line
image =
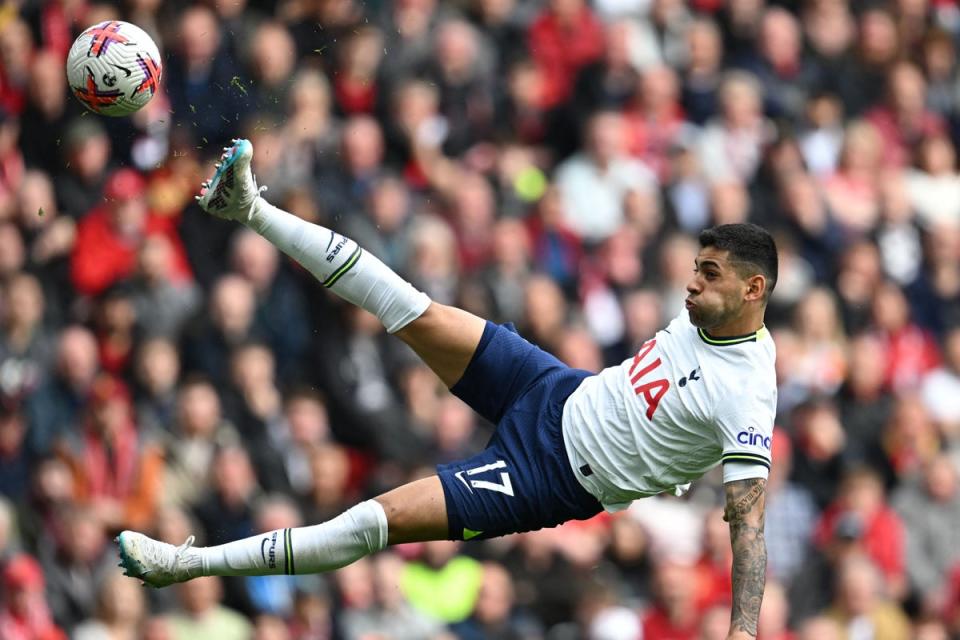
x: 114, y: 68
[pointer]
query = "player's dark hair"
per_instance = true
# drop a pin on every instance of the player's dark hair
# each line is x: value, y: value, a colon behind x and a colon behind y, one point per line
x: 746, y: 243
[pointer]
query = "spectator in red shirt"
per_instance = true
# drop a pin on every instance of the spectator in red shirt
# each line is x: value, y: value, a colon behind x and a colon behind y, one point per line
x: 861, y: 494
x: 110, y: 236
x: 674, y: 616
x: 655, y: 120
x: 24, y: 614
x: 564, y: 38
x: 16, y: 52
x: 911, y: 352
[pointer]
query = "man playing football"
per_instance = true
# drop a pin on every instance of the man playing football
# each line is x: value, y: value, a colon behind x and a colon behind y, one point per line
x: 568, y: 444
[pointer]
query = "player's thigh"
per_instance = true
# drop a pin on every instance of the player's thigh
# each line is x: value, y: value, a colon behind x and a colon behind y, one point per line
x: 416, y: 512
x: 445, y: 338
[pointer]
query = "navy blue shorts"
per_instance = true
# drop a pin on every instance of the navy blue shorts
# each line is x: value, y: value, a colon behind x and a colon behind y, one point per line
x: 522, y: 481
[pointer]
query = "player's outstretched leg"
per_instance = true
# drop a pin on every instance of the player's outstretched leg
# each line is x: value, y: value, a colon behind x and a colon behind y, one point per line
x: 445, y: 338
x: 411, y: 513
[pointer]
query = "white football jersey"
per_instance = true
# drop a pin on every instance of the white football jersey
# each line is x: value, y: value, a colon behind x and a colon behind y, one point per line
x: 683, y: 404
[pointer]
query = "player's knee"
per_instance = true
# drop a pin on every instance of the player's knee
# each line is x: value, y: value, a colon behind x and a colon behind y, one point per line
x: 415, y: 512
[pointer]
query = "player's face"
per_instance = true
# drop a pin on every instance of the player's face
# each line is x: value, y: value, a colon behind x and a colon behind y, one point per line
x: 715, y: 293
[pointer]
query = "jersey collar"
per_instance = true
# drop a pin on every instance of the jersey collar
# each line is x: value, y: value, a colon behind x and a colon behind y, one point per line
x: 727, y: 341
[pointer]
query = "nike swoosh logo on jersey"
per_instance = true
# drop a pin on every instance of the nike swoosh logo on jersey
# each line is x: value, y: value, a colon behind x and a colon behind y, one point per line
x: 459, y: 475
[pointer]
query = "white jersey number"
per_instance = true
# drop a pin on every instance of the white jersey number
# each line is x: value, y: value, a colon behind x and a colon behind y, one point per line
x: 505, y: 485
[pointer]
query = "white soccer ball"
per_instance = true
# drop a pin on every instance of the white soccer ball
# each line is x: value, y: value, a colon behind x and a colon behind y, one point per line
x: 114, y: 68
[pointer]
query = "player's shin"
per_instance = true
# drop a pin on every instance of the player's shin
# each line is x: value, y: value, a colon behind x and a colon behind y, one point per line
x: 342, y: 266
x: 355, y: 533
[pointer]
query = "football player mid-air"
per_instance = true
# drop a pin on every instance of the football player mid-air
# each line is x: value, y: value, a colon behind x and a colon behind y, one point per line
x: 568, y: 444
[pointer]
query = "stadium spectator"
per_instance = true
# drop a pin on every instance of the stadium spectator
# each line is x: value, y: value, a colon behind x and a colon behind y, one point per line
x: 156, y: 372
x: 202, y: 616
x: 375, y: 604
x: 559, y: 55
x: 272, y: 61
x: 48, y: 238
x: 26, y: 348
x: 193, y: 435
x: 779, y: 64
x: 47, y: 110
x: 81, y: 177
x: 58, y: 403
x: 654, y: 119
x: 593, y: 184
x: 732, y: 144
x: 110, y: 235
x: 280, y: 308
x: 117, y: 470
x: 461, y: 68
x: 860, y: 603
x: 226, y: 511
x: 702, y: 75
x: 674, y: 613
x: 229, y: 322
x: 818, y: 463
x: 329, y: 491
x: 76, y: 566
x: 441, y: 584
x: 163, y: 301
x: 930, y: 510
x: 17, y: 48
x: 862, y: 496
x: 285, y: 456
x: 24, y: 614
x: 904, y: 120
x: 909, y: 440
x: 114, y: 323
x: 120, y: 610
x: 494, y: 615
x: 203, y: 81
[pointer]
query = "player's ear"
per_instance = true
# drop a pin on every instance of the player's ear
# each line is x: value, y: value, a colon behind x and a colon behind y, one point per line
x: 756, y: 287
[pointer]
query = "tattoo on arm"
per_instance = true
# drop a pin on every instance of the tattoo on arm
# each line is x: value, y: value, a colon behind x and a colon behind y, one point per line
x: 744, y: 512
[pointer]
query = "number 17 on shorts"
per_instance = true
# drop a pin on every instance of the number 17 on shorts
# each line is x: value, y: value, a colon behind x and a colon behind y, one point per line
x: 488, y: 471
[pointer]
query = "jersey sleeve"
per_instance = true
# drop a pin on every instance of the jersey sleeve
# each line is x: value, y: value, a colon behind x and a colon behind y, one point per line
x: 745, y: 429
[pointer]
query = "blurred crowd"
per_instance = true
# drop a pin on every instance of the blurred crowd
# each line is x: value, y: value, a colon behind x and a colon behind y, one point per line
x: 542, y: 162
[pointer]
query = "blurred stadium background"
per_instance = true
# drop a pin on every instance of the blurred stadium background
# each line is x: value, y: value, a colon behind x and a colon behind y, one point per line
x: 544, y: 162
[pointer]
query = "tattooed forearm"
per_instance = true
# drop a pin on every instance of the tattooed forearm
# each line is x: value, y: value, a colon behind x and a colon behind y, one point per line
x: 744, y: 512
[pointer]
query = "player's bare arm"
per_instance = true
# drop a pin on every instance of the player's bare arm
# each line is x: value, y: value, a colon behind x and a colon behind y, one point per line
x: 744, y: 512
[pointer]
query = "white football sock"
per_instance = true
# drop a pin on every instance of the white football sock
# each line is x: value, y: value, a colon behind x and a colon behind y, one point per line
x: 342, y: 266
x: 355, y: 533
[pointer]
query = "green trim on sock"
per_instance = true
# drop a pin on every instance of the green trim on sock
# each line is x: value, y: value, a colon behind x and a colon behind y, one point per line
x: 336, y: 275
x: 288, y: 550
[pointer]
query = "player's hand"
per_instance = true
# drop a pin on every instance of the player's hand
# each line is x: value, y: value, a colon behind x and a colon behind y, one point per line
x: 740, y: 635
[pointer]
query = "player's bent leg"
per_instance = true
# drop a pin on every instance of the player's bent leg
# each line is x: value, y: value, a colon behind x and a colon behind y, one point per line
x: 412, y: 513
x: 445, y: 338
x: 335, y: 260
x: 416, y: 512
